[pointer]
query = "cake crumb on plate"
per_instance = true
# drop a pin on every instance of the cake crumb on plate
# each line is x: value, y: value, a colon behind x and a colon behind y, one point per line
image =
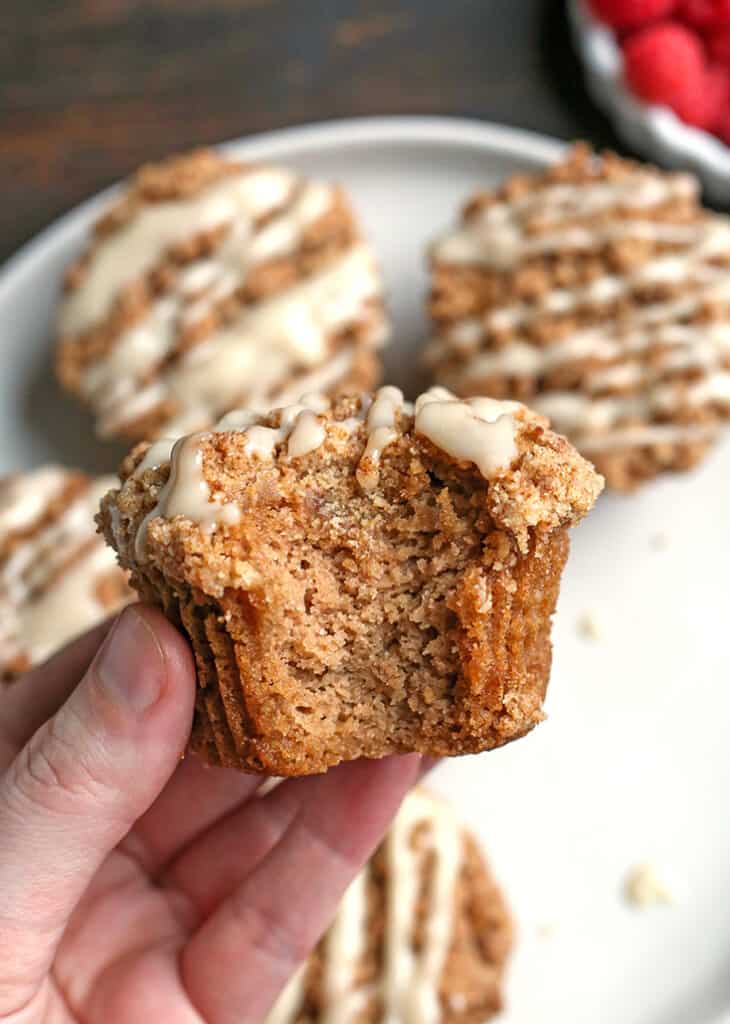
x: 588, y: 628
x: 644, y: 888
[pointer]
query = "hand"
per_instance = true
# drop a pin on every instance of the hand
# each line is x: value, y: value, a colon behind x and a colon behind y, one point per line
x: 137, y: 887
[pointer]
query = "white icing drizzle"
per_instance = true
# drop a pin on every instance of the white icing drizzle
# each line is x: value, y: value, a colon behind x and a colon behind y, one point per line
x: 704, y: 283
x: 343, y: 950
x: 25, y: 497
x: 411, y: 982
x: 499, y: 236
x: 591, y: 421
x: 254, y: 355
x: 380, y: 422
x: 408, y: 987
x: 705, y: 343
x: 187, y: 493
x: 478, y: 430
x: 651, y: 434
x: 307, y: 434
x: 637, y: 347
x: 43, y: 602
x: 157, y: 454
x: 265, y: 212
x: 130, y: 252
x: 66, y: 609
x: 298, y: 426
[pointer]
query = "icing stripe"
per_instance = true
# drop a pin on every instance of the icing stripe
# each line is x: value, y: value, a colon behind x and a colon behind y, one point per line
x: 655, y: 355
x: 137, y: 247
x: 257, y: 353
x: 48, y: 581
x: 408, y: 986
x: 478, y: 430
x: 500, y: 236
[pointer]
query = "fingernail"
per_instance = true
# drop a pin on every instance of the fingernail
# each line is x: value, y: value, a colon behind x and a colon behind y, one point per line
x: 130, y: 666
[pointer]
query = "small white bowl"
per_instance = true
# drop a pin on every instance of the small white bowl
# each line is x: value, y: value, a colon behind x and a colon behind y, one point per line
x: 652, y: 130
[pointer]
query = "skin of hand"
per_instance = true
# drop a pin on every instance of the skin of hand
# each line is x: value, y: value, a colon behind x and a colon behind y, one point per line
x: 136, y: 886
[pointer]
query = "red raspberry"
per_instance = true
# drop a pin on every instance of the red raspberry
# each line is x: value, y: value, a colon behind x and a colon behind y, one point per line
x: 705, y: 13
x: 718, y: 44
x: 631, y: 13
x: 704, y: 105
x: 663, y: 62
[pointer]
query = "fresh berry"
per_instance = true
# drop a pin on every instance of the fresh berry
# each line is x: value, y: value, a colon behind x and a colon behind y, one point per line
x: 704, y: 105
x: 718, y: 44
x: 705, y: 13
x: 631, y: 13
x: 664, y: 62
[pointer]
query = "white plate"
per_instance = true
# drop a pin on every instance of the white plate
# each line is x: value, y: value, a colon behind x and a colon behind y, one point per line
x: 633, y: 763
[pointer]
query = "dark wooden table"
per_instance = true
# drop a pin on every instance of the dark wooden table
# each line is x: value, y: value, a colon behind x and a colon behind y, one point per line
x: 89, y: 89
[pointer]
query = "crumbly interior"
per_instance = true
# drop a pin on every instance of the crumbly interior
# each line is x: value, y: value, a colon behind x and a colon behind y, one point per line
x: 470, y: 988
x: 492, y: 300
x: 332, y: 623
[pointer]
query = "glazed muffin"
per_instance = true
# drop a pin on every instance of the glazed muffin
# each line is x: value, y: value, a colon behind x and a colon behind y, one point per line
x: 209, y: 284
x: 359, y: 578
x: 422, y: 934
x: 57, y: 577
x: 599, y: 292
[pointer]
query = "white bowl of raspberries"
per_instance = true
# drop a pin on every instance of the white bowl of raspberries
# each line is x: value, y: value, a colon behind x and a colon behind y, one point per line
x: 661, y: 70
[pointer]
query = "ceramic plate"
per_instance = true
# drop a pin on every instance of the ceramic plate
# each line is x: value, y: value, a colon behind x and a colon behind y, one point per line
x: 632, y: 765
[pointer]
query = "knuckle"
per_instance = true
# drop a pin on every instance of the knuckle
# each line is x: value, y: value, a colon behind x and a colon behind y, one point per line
x: 284, y: 944
x: 55, y: 772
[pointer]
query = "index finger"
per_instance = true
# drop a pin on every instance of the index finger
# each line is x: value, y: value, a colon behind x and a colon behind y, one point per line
x: 239, y: 960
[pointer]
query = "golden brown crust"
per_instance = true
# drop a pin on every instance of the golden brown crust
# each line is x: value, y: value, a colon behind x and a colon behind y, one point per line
x: 331, y: 623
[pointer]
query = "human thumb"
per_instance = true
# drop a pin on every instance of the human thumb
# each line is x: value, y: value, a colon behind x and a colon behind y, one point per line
x: 79, y: 784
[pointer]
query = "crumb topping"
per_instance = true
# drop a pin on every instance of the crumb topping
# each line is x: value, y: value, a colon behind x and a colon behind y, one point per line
x: 644, y: 888
x: 222, y: 290
x: 599, y: 292
x: 536, y: 478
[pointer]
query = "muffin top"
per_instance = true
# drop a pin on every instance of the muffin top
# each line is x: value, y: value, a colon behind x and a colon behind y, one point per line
x: 528, y: 477
x: 598, y: 291
x: 211, y: 282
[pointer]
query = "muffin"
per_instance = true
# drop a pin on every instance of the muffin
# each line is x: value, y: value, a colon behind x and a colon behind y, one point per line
x: 210, y: 283
x: 57, y: 577
x: 422, y: 934
x: 599, y: 292
x: 357, y: 578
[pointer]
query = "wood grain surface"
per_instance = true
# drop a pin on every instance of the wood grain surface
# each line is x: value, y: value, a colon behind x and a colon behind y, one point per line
x: 89, y: 89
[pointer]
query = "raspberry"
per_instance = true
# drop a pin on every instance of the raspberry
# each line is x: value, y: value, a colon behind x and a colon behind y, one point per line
x: 631, y: 13
x: 703, y: 106
x: 705, y: 13
x: 663, y: 62
x: 718, y: 44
